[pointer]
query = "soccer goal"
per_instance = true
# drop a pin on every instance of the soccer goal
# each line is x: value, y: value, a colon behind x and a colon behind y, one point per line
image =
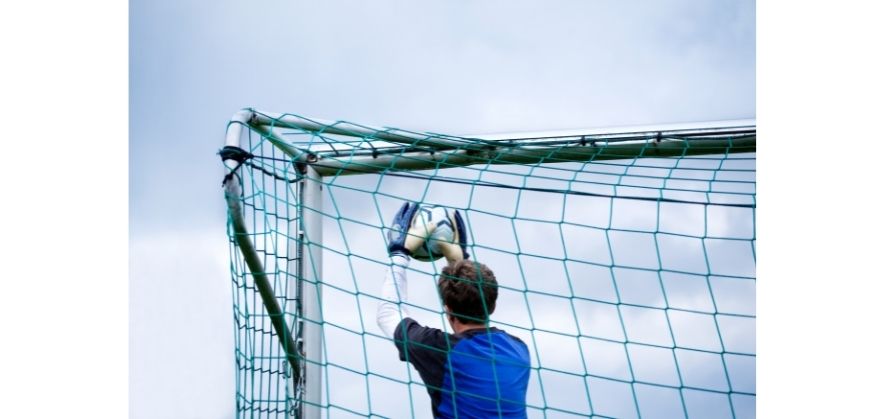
x: 625, y: 261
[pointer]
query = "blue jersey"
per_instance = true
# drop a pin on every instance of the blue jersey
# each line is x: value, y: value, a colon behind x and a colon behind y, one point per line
x: 480, y: 373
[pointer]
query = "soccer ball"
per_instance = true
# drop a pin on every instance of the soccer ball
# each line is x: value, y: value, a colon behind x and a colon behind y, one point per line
x: 445, y: 231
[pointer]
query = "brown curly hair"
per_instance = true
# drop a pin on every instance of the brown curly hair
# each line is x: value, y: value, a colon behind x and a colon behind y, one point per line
x: 470, y: 290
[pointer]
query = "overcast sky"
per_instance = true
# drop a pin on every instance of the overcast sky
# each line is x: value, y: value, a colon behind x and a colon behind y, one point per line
x: 456, y: 67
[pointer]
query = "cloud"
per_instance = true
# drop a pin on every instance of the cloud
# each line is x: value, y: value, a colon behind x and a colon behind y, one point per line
x: 180, y: 330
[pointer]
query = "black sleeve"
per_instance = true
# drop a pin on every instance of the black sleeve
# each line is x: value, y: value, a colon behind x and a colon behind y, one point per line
x: 413, y: 340
x: 426, y: 348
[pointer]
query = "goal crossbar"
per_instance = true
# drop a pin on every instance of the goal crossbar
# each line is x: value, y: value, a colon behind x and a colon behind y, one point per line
x: 390, y: 149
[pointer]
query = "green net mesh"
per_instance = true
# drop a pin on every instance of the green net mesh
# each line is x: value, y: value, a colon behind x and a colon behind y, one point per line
x: 625, y: 261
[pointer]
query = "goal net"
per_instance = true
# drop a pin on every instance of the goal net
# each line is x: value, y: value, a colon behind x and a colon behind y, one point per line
x: 625, y: 261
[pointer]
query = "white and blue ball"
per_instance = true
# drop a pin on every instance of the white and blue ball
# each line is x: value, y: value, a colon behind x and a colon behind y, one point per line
x: 444, y: 232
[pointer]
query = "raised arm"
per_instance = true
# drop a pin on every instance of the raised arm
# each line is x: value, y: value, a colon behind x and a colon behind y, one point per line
x: 393, y: 291
x: 402, y: 239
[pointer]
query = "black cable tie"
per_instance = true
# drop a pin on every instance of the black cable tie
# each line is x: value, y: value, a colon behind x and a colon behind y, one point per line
x: 230, y: 152
x: 237, y: 154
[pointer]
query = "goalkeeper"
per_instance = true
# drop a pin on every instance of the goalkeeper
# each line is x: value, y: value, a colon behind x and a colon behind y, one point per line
x: 476, y: 372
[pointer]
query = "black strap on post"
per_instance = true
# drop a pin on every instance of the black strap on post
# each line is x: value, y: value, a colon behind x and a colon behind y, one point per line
x: 237, y: 154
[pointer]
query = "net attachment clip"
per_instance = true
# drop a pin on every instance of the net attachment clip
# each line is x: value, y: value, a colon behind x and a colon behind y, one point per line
x: 236, y: 154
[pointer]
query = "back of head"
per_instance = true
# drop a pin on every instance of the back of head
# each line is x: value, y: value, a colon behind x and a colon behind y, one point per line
x: 469, y: 289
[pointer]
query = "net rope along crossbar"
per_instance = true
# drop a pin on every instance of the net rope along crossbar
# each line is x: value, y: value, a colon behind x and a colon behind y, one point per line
x: 625, y: 260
